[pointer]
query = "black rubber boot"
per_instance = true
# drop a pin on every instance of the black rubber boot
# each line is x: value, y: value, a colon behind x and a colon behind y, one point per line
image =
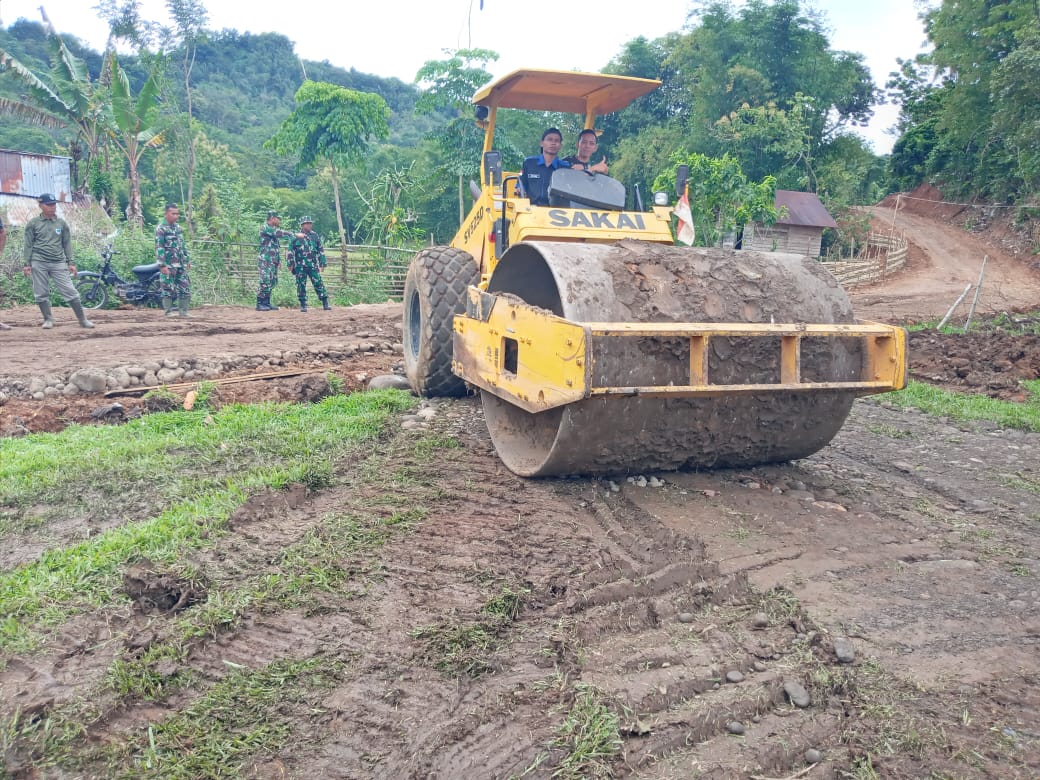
x: 77, y: 307
x: 167, y: 306
x: 182, y: 302
x: 45, y: 310
x: 270, y: 306
x: 303, y: 305
x: 325, y: 304
x: 261, y: 304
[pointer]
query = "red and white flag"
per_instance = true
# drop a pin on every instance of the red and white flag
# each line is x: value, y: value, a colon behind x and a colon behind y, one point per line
x: 684, y: 230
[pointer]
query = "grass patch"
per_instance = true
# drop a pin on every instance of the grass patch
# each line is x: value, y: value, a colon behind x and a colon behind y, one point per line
x: 150, y: 676
x: 428, y: 445
x: 590, y: 736
x: 163, y: 459
x: 1024, y: 324
x: 328, y: 558
x: 898, y: 723
x: 300, y: 444
x: 465, y: 647
x: 458, y: 648
x: 325, y: 559
x: 968, y: 408
x: 1019, y: 482
x: 890, y: 431
x: 88, y: 575
x: 244, y: 717
x: 740, y: 532
x: 780, y: 605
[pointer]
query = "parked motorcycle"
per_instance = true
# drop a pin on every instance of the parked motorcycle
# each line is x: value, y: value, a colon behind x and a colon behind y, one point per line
x: 143, y: 290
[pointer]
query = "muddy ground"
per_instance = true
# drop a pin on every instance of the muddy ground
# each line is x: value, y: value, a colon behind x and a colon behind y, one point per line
x: 894, y: 576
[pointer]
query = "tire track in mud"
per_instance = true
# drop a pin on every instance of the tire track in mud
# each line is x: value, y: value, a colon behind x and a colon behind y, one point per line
x: 659, y: 640
x: 605, y: 584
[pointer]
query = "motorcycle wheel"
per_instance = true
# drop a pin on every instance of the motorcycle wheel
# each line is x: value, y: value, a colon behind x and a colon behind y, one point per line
x: 93, y: 293
x: 153, y: 294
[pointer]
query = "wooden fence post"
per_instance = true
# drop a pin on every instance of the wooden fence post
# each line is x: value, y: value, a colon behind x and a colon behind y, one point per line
x: 956, y: 303
x: 978, y: 289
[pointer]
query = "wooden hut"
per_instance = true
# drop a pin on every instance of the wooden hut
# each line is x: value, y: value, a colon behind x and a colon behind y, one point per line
x: 800, y: 231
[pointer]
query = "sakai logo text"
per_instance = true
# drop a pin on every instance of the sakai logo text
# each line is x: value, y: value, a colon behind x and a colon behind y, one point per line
x: 474, y: 223
x: 597, y: 220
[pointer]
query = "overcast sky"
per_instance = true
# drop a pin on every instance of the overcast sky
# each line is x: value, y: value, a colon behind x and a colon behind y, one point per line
x: 395, y: 37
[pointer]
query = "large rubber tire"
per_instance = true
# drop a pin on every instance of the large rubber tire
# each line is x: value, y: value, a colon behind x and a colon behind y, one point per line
x: 93, y: 293
x: 434, y: 292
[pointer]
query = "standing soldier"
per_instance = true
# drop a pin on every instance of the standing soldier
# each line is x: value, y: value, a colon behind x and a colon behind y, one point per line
x: 306, y: 261
x: 172, y: 255
x: 48, y: 258
x: 268, y: 260
x: 3, y: 242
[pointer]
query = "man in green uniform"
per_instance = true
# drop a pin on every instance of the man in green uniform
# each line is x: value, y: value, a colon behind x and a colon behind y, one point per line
x: 172, y: 255
x: 306, y: 261
x: 269, y: 258
x: 48, y: 258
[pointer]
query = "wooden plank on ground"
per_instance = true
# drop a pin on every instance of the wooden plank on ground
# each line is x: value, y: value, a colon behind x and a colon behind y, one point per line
x: 231, y: 380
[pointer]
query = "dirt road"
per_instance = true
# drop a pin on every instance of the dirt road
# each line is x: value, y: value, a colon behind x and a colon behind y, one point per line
x: 141, y: 335
x: 892, y: 579
x: 945, y: 259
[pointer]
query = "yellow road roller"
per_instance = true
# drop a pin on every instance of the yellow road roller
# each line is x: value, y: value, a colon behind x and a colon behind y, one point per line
x: 599, y: 347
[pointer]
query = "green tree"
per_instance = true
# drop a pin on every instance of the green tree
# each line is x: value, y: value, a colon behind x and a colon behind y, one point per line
x: 388, y: 220
x: 758, y: 81
x: 65, y: 97
x: 125, y: 23
x: 645, y: 59
x: 449, y: 84
x: 721, y: 197
x: 916, y: 151
x: 331, y: 126
x: 770, y: 141
x: 135, y: 126
x: 980, y: 49
x: 189, y: 20
x: 216, y: 166
x: 1015, y: 91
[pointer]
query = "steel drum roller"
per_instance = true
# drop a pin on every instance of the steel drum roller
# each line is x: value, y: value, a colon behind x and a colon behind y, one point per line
x: 638, y: 282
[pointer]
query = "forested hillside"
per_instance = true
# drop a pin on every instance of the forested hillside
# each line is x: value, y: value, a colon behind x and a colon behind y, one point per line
x: 754, y: 96
x: 971, y: 109
x: 242, y: 89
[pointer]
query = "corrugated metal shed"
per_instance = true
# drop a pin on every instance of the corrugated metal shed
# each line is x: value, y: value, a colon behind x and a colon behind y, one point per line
x: 31, y: 175
x: 803, y: 208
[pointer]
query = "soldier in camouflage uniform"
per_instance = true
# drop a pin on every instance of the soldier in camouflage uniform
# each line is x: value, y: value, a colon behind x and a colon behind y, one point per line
x: 306, y: 260
x: 269, y: 259
x: 172, y: 255
x: 3, y: 241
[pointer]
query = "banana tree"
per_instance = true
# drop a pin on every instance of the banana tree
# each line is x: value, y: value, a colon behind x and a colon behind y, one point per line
x: 135, y: 126
x: 66, y: 97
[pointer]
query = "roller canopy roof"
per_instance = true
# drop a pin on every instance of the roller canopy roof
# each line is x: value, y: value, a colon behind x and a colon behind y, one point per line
x: 567, y: 91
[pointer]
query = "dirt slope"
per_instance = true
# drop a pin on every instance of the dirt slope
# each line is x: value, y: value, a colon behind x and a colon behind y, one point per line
x: 944, y: 259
